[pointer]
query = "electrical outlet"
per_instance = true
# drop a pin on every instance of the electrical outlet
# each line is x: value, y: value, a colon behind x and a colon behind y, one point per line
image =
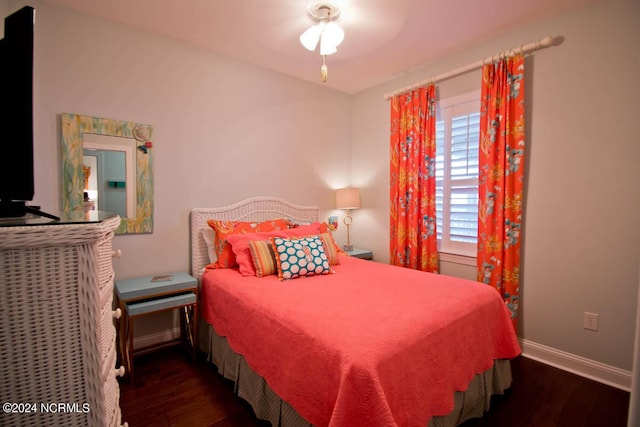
x: 591, y: 321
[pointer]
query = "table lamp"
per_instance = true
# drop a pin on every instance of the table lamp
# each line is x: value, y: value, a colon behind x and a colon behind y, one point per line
x: 348, y: 198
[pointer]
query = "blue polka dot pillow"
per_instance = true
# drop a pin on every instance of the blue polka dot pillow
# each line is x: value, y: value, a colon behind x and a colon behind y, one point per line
x: 302, y: 256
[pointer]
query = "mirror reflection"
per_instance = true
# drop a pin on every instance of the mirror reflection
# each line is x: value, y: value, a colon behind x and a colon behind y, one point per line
x: 109, y: 174
x: 107, y: 165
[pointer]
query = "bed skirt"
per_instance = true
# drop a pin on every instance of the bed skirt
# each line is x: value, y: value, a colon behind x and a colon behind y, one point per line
x: 268, y: 406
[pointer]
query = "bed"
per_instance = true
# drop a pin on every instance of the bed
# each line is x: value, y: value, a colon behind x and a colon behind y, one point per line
x: 367, y: 344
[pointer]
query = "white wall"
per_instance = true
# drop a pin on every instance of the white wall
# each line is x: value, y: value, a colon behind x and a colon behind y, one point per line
x: 582, y: 228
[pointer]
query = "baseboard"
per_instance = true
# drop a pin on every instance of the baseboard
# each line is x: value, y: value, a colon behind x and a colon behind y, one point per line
x: 606, y: 374
x: 161, y: 337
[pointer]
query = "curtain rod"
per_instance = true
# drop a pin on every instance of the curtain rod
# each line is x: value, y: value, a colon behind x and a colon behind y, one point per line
x: 530, y: 47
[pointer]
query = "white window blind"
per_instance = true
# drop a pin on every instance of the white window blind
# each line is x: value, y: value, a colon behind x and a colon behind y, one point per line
x: 457, y: 144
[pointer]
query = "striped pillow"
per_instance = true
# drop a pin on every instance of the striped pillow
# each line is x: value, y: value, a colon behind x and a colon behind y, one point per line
x: 330, y: 248
x: 263, y: 258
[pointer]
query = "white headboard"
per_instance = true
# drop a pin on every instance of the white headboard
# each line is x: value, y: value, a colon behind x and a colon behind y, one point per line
x: 252, y: 209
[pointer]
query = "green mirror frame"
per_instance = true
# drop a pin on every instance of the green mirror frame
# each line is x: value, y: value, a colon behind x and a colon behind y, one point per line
x: 73, y: 127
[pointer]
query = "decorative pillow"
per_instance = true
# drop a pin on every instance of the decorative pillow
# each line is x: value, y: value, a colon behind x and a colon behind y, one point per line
x: 321, y: 228
x: 299, y: 257
x: 209, y: 236
x: 306, y: 229
x: 330, y: 248
x: 240, y: 247
x: 223, y: 229
x: 324, y: 228
x: 295, y: 223
x: 264, y: 261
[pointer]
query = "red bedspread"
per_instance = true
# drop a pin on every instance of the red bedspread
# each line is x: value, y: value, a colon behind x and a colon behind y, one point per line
x: 372, y: 345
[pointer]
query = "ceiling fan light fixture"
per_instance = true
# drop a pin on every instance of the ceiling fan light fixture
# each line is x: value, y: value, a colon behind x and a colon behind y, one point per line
x: 324, y: 31
x: 309, y: 38
x: 326, y: 46
x: 334, y: 33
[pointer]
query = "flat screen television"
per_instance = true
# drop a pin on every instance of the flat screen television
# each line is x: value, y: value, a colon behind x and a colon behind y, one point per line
x: 16, y: 115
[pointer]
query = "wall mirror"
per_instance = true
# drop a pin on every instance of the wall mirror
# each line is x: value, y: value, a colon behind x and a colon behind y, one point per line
x: 108, y: 165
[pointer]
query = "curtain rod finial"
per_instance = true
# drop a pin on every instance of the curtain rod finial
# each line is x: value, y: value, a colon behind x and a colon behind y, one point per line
x: 547, y: 41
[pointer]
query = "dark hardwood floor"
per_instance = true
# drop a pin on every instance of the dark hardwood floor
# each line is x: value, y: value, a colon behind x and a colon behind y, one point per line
x: 171, y: 391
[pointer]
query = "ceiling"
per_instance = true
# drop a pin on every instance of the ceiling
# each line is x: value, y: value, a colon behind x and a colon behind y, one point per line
x: 383, y: 38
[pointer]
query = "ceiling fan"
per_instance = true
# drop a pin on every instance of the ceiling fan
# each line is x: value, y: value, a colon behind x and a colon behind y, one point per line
x: 324, y: 31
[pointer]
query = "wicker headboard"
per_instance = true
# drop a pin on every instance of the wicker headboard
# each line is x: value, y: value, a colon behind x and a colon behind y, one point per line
x: 252, y: 209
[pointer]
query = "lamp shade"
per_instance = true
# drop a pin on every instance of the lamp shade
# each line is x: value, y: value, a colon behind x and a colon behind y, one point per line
x: 348, y: 198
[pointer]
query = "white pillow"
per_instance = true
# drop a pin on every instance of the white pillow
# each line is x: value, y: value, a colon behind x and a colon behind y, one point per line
x: 209, y: 236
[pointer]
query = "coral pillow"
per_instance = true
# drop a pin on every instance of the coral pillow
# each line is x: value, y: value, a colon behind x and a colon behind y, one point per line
x: 305, y: 230
x: 240, y: 247
x: 224, y: 229
x: 322, y: 228
x: 300, y: 257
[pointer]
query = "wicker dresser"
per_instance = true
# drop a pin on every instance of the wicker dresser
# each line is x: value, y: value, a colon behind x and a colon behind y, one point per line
x: 57, y: 336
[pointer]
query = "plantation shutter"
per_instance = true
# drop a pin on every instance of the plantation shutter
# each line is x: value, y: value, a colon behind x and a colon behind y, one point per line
x: 457, y: 145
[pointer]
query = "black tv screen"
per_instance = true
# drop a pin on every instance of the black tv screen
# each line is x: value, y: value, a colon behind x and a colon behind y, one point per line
x: 16, y: 108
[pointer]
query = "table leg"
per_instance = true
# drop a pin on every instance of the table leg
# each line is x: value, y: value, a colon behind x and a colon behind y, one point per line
x: 128, y: 353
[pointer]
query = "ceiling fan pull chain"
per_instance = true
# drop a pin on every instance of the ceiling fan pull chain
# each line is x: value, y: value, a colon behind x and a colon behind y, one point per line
x: 324, y: 71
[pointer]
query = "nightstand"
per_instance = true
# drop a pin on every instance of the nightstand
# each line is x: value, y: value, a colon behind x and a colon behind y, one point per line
x: 153, y: 294
x: 360, y: 253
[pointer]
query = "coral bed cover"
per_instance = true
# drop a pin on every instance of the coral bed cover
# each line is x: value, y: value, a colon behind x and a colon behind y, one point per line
x: 372, y: 344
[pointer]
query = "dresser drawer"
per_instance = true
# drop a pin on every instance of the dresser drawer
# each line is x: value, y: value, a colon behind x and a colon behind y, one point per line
x: 116, y: 421
x: 105, y: 260
x: 109, y: 365
x: 111, y: 391
x: 107, y: 329
x: 106, y: 282
x: 111, y: 397
x: 106, y: 292
x: 110, y: 401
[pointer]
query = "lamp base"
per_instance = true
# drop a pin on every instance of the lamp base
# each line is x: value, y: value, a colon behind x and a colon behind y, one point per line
x: 347, y: 248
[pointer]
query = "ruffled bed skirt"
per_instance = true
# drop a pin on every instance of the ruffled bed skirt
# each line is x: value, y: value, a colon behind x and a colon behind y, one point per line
x: 268, y: 406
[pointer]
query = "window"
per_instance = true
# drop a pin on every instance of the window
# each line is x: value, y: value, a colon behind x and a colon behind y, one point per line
x: 457, y: 144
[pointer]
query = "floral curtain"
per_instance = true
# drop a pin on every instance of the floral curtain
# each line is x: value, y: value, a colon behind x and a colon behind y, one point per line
x: 413, y: 183
x: 501, y: 178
